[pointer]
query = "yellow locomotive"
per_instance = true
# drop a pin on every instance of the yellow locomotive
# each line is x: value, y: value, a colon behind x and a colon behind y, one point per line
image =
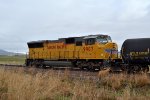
x: 91, y: 52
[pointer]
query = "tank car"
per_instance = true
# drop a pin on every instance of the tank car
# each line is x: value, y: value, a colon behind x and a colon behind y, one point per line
x: 90, y: 52
x: 136, y: 54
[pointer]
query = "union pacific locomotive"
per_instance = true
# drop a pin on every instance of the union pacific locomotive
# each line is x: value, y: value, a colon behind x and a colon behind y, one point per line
x: 90, y: 52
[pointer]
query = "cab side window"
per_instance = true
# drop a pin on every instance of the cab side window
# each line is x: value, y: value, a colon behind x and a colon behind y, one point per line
x: 89, y: 41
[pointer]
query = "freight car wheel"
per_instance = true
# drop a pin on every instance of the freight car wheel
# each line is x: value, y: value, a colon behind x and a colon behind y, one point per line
x: 134, y: 69
x: 145, y: 69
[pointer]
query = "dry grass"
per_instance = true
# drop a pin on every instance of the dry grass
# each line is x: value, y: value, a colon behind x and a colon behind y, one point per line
x: 103, y: 73
x: 19, y: 84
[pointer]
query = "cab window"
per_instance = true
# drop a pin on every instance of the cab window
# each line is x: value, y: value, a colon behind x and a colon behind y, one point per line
x: 103, y: 39
x: 90, y: 41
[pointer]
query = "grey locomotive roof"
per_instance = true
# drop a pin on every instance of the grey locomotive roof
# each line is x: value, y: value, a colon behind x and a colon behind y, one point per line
x: 39, y: 41
x: 93, y: 36
x: 42, y: 41
x: 87, y: 37
x: 63, y: 39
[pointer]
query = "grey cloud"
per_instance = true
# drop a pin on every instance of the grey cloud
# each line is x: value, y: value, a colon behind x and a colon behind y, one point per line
x: 23, y: 21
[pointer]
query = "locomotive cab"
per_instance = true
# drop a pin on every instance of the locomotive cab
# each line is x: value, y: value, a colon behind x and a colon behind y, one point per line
x: 110, y: 48
x: 103, y: 46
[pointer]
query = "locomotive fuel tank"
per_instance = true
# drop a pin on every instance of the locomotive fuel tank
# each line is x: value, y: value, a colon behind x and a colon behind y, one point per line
x: 136, y: 51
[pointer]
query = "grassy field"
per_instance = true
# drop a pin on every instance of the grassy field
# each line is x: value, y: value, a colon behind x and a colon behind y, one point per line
x: 28, y: 84
x: 12, y: 59
x: 20, y: 84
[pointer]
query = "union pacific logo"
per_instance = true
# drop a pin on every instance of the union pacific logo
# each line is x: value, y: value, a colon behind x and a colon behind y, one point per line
x: 111, y: 51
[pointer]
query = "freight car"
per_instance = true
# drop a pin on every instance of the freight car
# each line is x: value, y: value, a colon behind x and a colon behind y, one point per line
x: 136, y: 54
x: 90, y: 52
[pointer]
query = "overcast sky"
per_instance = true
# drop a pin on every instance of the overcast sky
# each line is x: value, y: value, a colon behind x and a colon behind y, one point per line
x: 27, y: 20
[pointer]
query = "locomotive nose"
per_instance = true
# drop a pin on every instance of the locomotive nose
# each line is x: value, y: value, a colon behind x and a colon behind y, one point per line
x: 111, y: 50
x: 114, y: 45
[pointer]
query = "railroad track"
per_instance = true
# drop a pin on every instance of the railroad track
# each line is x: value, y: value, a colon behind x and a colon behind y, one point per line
x: 74, y: 73
x: 61, y: 71
x: 54, y: 68
x: 13, y: 65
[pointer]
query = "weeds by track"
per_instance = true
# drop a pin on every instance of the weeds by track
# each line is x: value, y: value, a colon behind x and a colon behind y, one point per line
x: 29, y: 83
x: 74, y: 73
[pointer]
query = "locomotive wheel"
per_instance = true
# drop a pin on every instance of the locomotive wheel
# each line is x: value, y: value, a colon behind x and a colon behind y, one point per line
x: 29, y: 64
x: 91, y: 69
x: 44, y: 66
x: 80, y: 66
x: 91, y: 66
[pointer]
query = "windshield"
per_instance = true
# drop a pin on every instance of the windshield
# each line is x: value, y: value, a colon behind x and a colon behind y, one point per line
x: 103, y: 39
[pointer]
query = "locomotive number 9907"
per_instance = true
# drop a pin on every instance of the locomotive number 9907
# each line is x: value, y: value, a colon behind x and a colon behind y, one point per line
x: 88, y: 48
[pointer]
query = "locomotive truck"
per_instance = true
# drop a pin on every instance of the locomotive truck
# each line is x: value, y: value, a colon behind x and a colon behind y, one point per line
x: 90, y: 52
